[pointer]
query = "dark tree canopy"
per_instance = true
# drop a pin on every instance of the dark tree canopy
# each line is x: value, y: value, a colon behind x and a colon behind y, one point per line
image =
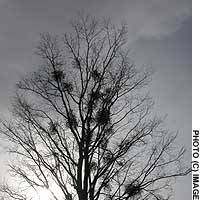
x: 82, y: 122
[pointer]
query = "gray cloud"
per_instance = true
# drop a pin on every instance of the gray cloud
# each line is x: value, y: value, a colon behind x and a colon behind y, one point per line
x: 159, y: 33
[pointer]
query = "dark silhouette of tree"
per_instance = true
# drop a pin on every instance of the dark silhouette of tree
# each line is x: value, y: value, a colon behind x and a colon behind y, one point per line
x: 82, y: 122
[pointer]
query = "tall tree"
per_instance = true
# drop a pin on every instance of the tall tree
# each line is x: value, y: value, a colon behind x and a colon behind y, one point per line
x: 82, y: 122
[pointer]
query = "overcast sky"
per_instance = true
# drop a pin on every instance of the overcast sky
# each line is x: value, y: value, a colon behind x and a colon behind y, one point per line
x: 159, y: 35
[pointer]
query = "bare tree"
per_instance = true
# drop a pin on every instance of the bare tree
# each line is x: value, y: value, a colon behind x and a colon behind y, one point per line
x: 82, y: 122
